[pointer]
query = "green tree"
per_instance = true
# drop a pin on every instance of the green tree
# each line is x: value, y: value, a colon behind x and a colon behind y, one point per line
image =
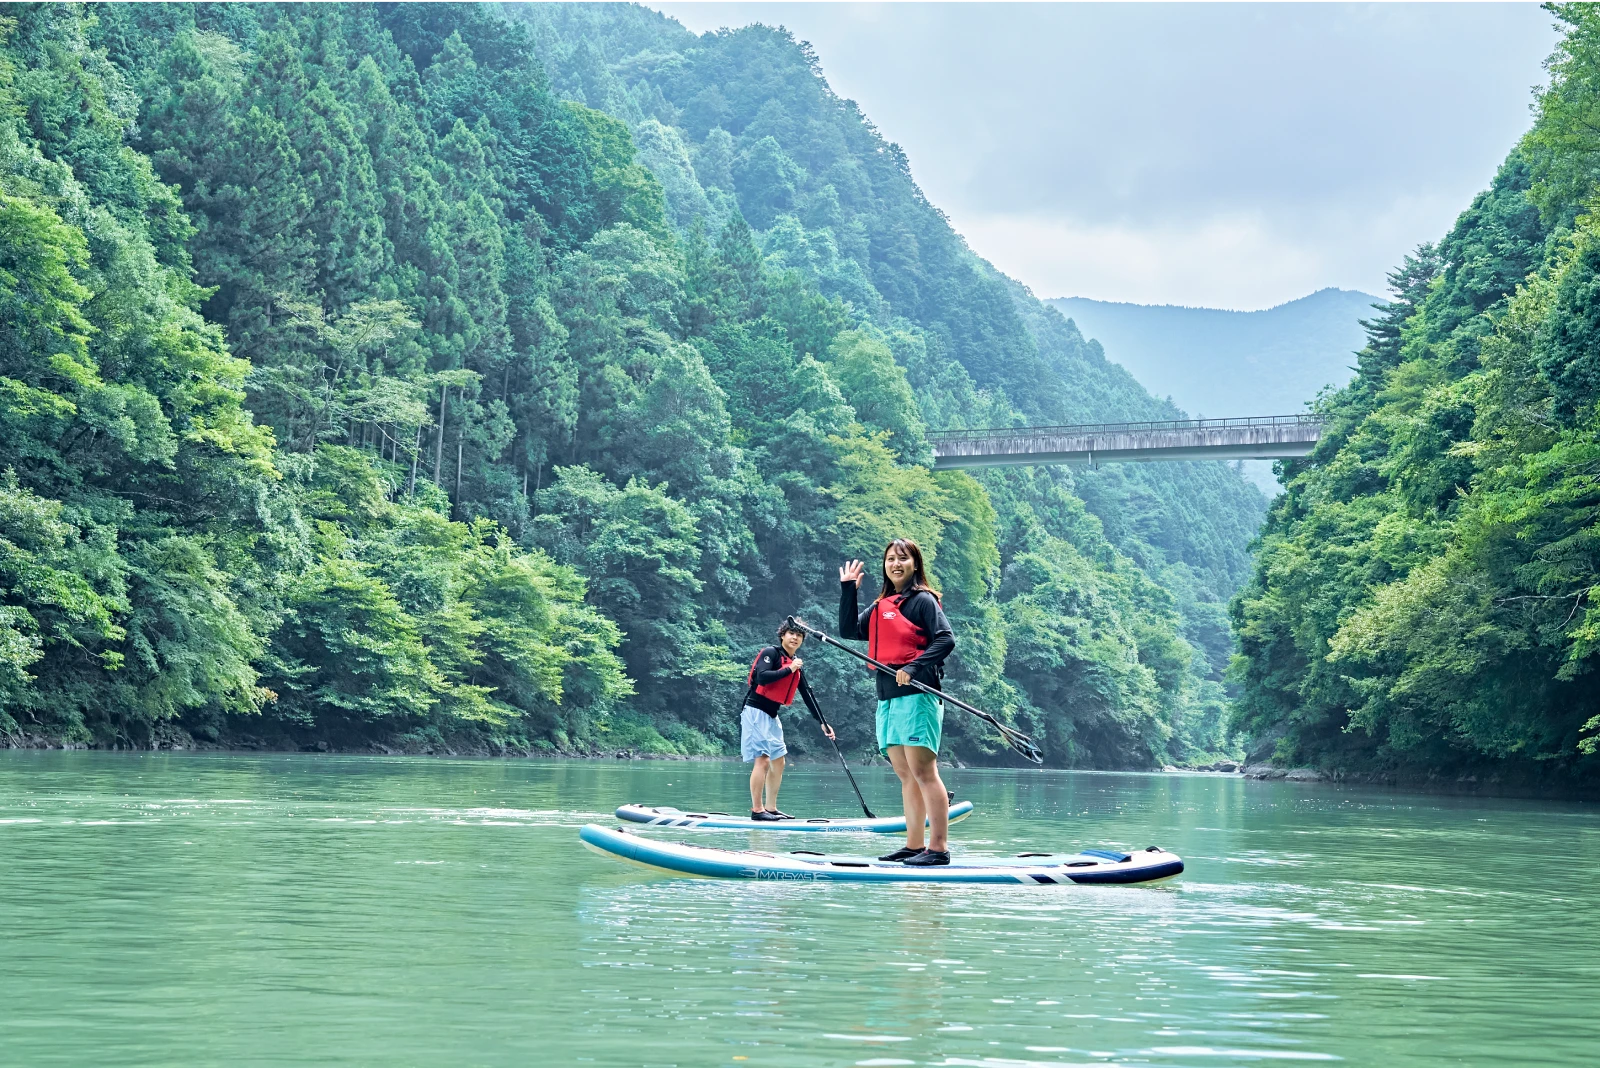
x: 877, y: 389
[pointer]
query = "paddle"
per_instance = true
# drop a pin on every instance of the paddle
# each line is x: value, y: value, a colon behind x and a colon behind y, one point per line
x: 816, y: 711
x: 1018, y: 741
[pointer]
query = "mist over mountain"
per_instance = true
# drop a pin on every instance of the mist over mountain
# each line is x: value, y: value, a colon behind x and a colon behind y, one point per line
x: 1220, y: 363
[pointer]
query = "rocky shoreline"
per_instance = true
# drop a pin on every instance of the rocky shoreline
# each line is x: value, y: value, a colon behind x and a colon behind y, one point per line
x: 1253, y: 771
x: 1429, y: 783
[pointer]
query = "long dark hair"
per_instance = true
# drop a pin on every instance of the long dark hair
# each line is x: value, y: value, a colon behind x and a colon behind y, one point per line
x: 919, y: 575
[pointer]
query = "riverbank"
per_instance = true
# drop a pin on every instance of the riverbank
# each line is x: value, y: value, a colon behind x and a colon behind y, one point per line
x: 1509, y: 783
x: 178, y: 741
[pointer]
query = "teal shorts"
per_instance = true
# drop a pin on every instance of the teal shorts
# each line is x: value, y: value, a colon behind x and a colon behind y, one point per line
x: 916, y: 719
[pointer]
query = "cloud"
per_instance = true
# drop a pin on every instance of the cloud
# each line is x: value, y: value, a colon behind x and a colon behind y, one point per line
x: 1241, y: 260
x: 1207, y: 265
x: 1230, y: 150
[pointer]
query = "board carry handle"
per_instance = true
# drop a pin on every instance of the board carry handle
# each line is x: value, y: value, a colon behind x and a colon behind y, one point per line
x: 1021, y: 743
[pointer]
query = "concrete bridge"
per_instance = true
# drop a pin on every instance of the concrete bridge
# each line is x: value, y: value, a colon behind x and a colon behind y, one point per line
x: 1259, y: 437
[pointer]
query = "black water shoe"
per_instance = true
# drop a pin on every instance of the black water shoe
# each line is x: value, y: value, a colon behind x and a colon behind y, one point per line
x: 774, y: 814
x: 762, y: 816
x: 928, y: 858
x: 900, y: 854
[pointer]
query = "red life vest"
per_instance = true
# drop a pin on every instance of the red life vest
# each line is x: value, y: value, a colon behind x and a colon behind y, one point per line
x: 892, y: 638
x: 781, y: 692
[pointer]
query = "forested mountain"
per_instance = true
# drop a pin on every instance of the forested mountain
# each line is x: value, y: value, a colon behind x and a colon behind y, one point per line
x: 451, y: 376
x: 1424, y: 597
x: 1212, y: 362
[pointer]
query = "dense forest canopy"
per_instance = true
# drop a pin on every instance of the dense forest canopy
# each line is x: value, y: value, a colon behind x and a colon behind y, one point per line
x: 1423, y: 599
x: 450, y: 376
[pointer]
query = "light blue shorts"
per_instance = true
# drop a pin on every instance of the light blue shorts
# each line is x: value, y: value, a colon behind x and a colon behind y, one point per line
x: 760, y: 735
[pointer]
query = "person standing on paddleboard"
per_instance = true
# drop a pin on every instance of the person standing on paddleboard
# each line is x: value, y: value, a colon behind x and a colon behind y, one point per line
x: 774, y: 680
x: 906, y: 629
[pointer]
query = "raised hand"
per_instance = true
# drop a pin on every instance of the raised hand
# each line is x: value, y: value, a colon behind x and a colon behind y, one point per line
x: 796, y: 664
x: 854, y: 571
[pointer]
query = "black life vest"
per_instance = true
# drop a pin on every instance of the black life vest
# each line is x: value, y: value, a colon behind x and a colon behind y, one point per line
x: 892, y: 638
x: 781, y: 692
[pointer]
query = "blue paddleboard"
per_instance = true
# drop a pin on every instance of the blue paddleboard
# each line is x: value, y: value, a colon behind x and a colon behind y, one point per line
x: 1027, y: 869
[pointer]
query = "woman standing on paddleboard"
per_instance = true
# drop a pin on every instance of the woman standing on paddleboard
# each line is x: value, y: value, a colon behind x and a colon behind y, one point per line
x: 906, y: 629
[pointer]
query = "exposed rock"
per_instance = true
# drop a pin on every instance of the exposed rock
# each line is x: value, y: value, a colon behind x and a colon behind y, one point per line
x: 1268, y: 771
x: 1225, y: 766
x: 1264, y: 746
x: 1168, y: 767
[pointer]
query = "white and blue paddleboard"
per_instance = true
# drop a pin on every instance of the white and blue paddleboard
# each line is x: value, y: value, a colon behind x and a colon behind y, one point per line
x: 663, y: 816
x: 1028, y: 869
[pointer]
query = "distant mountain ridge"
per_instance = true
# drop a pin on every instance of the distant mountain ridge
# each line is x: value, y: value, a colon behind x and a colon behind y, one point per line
x: 1221, y: 363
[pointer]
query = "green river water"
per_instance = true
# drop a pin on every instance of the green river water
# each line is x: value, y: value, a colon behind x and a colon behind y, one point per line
x: 306, y: 910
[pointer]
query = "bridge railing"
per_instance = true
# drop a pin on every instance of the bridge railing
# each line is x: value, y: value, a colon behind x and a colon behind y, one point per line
x: 1305, y: 419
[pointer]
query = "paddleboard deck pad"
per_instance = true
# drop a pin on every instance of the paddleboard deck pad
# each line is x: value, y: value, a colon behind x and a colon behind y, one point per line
x: 1027, y: 869
x: 664, y: 816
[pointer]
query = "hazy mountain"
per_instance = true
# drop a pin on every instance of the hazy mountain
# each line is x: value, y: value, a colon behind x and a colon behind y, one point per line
x: 1218, y: 363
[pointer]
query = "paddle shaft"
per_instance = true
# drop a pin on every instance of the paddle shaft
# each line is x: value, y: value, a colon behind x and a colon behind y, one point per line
x: 852, y: 778
x: 816, y: 711
x: 1018, y: 741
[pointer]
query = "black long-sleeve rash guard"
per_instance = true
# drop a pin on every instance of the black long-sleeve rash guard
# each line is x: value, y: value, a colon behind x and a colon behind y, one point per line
x: 921, y: 608
x: 769, y: 669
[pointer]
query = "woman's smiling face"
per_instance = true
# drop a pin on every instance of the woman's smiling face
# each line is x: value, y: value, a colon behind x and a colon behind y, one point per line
x: 899, y: 566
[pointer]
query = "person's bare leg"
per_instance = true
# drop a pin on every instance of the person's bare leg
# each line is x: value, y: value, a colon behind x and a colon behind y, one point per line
x: 910, y: 796
x: 758, y: 779
x: 924, y: 767
x: 774, y: 780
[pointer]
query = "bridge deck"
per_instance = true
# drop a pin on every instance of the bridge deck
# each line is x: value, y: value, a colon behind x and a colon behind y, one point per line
x: 1261, y: 437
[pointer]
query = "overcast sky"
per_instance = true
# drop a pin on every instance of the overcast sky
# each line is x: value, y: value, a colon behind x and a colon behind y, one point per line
x: 1232, y: 156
